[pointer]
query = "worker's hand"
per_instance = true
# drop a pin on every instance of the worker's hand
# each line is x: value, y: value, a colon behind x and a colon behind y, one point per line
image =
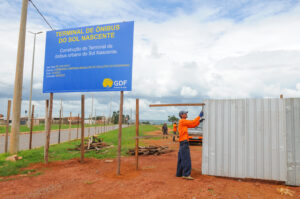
x: 201, y: 114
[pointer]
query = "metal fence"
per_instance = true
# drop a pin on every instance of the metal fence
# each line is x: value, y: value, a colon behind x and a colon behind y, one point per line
x: 253, y: 138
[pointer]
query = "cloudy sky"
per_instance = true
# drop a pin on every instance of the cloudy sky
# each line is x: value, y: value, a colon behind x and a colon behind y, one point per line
x: 184, y: 51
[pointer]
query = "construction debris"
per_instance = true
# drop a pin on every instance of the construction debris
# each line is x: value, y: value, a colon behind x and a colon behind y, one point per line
x: 13, y: 158
x: 93, y: 143
x: 285, y: 191
x: 150, y: 150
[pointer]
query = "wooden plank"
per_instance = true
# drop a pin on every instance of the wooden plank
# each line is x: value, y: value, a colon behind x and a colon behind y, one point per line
x: 7, y: 125
x: 189, y: 104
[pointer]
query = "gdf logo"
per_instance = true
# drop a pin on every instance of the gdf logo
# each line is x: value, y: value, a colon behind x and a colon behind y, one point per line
x: 120, y: 83
x: 107, y: 83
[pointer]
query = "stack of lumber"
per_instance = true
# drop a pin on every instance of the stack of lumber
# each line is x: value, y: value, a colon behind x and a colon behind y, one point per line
x: 150, y: 150
x: 92, y: 144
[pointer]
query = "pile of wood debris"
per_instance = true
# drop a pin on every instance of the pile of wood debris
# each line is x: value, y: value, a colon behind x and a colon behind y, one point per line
x: 92, y: 144
x: 150, y: 150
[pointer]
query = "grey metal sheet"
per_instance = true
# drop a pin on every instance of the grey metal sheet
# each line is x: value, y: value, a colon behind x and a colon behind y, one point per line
x: 293, y: 141
x: 245, y: 138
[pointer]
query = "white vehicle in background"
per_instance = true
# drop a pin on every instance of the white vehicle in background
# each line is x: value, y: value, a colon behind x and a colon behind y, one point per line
x: 196, y: 134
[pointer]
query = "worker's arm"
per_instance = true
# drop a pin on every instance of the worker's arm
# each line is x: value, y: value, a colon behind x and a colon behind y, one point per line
x: 191, y: 123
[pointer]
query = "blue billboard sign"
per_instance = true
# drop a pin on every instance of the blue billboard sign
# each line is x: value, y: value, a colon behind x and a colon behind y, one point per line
x: 92, y: 58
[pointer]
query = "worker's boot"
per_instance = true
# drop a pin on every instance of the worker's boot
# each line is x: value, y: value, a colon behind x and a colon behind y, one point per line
x: 188, y: 177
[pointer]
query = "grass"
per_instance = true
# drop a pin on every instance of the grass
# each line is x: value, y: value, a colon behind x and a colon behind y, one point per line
x: 25, y: 128
x: 61, y: 152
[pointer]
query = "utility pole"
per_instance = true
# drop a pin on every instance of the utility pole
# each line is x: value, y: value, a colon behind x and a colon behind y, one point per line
x: 17, y: 99
x: 31, y: 82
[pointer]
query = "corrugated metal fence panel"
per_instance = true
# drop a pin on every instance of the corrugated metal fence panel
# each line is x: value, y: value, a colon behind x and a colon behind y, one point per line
x: 245, y: 138
x: 293, y: 141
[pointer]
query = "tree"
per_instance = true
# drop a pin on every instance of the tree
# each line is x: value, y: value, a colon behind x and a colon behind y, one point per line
x: 173, y: 119
x: 115, y: 117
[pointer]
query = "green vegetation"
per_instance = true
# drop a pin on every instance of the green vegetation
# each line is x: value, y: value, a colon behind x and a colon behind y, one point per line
x: 173, y: 119
x: 25, y: 128
x: 61, y: 152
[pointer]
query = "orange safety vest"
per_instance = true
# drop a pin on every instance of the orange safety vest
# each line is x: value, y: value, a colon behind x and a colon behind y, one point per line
x: 184, y: 125
x: 174, y: 127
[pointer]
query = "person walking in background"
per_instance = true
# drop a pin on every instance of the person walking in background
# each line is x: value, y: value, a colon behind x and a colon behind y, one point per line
x: 184, y: 165
x: 165, y: 130
x: 174, y: 131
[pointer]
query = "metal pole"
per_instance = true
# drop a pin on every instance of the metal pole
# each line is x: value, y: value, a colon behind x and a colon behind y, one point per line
x: 7, y: 125
x: 16, y: 112
x: 120, y: 132
x: 137, y: 134
x: 31, y: 126
x: 31, y: 82
x: 82, y: 129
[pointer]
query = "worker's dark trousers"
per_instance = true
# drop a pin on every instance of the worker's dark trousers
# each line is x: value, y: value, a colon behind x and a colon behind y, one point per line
x: 174, y: 136
x: 184, y: 165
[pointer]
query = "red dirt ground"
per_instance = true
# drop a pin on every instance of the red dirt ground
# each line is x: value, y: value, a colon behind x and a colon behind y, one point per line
x: 155, y: 179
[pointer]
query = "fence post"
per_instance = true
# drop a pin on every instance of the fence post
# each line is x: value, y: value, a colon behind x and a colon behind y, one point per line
x: 7, y: 125
x: 59, y: 126
x: 137, y: 134
x: 78, y: 122
x: 31, y: 126
x: 70, y: 123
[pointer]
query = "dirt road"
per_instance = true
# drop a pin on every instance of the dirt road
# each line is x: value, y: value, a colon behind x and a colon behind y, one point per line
x: 155, y: 179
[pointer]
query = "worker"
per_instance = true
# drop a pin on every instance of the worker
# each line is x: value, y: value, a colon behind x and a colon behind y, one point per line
x: 165, y: 130
x: 184, y: 165
x: 174, y: 131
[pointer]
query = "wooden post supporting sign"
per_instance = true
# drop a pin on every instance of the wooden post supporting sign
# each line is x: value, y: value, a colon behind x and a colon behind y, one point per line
x: 120, y: 132
x: 46, y: 124
x: 49, y: 118
x: 82, y: 129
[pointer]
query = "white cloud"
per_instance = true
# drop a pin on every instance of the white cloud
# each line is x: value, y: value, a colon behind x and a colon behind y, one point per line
x: 180, y: 57
x: 188, y: 91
